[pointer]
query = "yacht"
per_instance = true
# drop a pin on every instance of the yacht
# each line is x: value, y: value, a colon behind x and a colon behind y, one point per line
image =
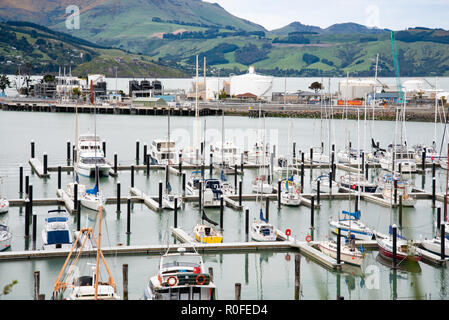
x: 91, y: 199
x: 90, y: 156
x: 163, y: 152
x: 262, y: 230
x: 404, y: 251
x: 434, y: 245
x: 212, y: 190
x: 181, y: 276
x: 402, y: 156
x: 349, y: 156
x: 226, y: 153
x: 56, y: 233
x: 258, y: 154
x: 354, y: 181
x: 432, y: 155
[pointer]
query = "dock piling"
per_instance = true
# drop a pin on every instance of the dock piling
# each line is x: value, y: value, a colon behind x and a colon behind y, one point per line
x: 37, y: 278
x: 115, y: 163
x: 125, y: 281
x: 78, y: 216
x: 238, y: 291
x: 175, y: 215
x: 267, y: 208
x: 34, y: 227
x: 394, y: 246
x: 69, y: 149
x: 443, y: 239
x: 339, y: 246
x: 137, y: 151
x: 132, y: 176
x: 27, y: 218
x: 318, y: 192
x: 221, y: 212
x: 246, y: 223
x: 160, y: 194
x: 312, y: 212
x: 240, y: 192
x: 279, y: 194
x: 128, y: 215
x: 45, y: 163
x: 59, y: 177
x: 32, y: 149
x: 118, y: 196
x: 104, y: 148
x: 400, y: 211
x: 438, y: 218
x: 21, y: 181
x: 297, y: 276
x: 145, y: 153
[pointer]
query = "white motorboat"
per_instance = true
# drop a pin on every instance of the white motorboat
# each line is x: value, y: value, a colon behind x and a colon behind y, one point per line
x: 212, y: 190
x: 56, y: 233
x: 164, y: 152
x: 434, y: 245
x: 325, y: 186
x: 207, y: 234
x: 349, y: 156
x: 91, y: 156
x: 351, y: 225
x: 181, y: 276
x: 403, y: 157
x: 354, y: 181
x: 226, y: 154
x: 263, y: 231
x: 4, y: 205
x: 5, y: 237
x: 260, y: 185
x: 290, y: 193
x: 348, y: 253
x: 258, y: 154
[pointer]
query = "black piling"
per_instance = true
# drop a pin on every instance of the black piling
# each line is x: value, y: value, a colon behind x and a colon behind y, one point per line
x: 21, y: 181
x: 312, y: 213
x: 27, y: 217
x: 267, y: 208
x: 180, y: 163
x: 338, y: 246
x: 78, y: 216
x: 27, y: 184
x: 145, y: 153
x: 132, y: 176
x: 240, y: 192
x: 423, y: 164
x: 433, y: 185
x: 34, y: 227
x: 59, y: 177
x: 311, y: 157
x: 302, y: 170
x: 160, y: 194
x: 235, y: 177
x: 211, y: 164
x: 75, y: 196
x: 318, y: 192
x: 395, y: 230
x: 128, y: 215
x: 115, y: 163
x: 118, y: 197
x: 400, y: 211
x: 395, y: 191
x: 246, y: 223
x: 175, y: 215
x: 148, y: 164
x: 221, y: 212
x: 279, y: 194
x: 137, y: 150
x: 69, y: 150
x: 32, y: 150
x: 438, y: 218
x: 183, y: 184
x: 443, y: 239
x: 104, y: 148
x: 297, y: 275
x: 294, y: 150
x: 45, y: 163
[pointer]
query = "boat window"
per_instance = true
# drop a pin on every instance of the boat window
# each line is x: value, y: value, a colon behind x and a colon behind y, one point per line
x: 93, y: 160
x: 196, y: 293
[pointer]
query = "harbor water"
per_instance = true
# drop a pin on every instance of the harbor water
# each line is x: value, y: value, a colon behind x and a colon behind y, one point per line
x: 263, y: 274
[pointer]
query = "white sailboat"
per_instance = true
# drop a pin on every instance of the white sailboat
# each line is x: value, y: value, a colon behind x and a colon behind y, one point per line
x: 348, y: 252
x: 262, y: 230
x: 4, y: 203
x: 5, y: 237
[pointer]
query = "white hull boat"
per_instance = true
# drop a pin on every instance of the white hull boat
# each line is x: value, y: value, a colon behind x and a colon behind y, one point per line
x: 56, y: 233
x: 262, y: 231
x: 4, y: 205
x: 5, y: 237
x: 347, y: 254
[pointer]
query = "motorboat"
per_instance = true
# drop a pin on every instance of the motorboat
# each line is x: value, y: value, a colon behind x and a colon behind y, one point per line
x: 56, y: 233
x: 258, y: 154
x: 260, y: 185
x: 348, y: 252
x: 290, y: 193
x: 91, y: 156
x: 404, y: 159
x: 350, y: 156
x: 163, y: 152
x: 212, y: 190
x: 5, y: 237
x: 181, y: 276
x: 207, y: 234
x: 354, y: 182
x: 4, y: 205
x: 351, y: 224
x: 325, y: 186
x: 226, y: 154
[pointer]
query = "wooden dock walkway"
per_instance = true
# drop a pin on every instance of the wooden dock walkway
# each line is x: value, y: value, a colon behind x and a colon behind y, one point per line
x: 149, y: 201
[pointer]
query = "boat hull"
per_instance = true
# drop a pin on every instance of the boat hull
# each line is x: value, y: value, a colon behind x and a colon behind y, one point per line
x: 348, y: 258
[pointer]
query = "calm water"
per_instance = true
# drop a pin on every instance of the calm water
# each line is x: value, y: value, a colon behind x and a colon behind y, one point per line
x: 266, y: 275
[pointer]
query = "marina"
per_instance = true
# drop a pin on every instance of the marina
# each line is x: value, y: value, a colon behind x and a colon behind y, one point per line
x: 134, y: 189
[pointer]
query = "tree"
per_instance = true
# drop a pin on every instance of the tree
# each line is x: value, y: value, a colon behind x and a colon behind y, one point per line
x: 76, y: 92
x: 4, y: 82
x: 316, y: 86
x: 49, y: 78
x: 8, y: 288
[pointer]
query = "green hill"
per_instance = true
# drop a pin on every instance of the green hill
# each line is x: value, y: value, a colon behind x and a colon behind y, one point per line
x: 38, y: 50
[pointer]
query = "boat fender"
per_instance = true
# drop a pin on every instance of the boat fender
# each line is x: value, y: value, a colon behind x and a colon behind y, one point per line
x: 172, y: 281
x: 202, y: 281
x: 309, y: 238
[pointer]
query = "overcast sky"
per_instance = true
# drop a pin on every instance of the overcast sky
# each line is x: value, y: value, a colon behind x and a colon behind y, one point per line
x: 391, y: 14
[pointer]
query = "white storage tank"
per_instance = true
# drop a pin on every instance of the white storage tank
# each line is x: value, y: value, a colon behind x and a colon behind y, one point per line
x: 251, y: 82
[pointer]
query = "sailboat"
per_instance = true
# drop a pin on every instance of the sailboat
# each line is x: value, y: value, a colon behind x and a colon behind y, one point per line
x: 262, y: 230
x: 5, y: 237
x: 72, y: 286
x: 351, y: 224
x: 290, y: 192
x: 348, y: 251
x: 260, y: 183
x: 181, y: 276
x: 206, y: 233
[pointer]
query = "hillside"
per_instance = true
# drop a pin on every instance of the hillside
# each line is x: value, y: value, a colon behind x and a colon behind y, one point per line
x: 38, y: 50
x: 340, y: 28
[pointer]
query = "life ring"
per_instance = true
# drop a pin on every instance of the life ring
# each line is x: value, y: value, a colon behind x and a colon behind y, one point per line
x: 198, y: 282
x: 288, y: 232
x: 174, y: 283
x: 309, y: 238
x: 298, y: 190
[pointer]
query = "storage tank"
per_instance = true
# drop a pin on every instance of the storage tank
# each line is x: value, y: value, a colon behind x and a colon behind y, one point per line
x: 351, y: 89
x: 414, y: 85
x: 259, y: 85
